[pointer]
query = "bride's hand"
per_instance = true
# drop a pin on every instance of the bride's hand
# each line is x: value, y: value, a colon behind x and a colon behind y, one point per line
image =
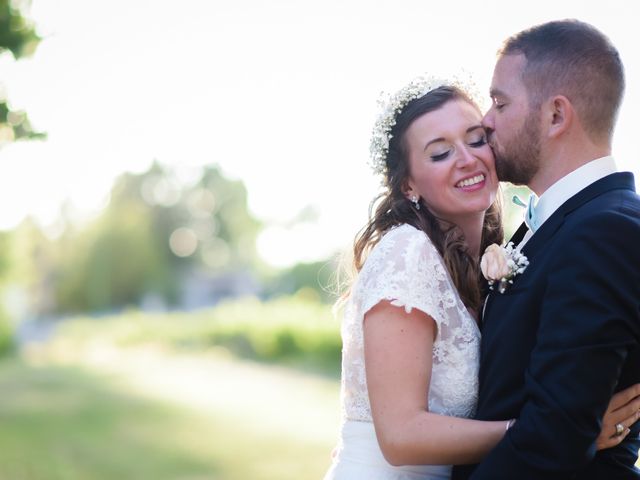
x: 622, y: 412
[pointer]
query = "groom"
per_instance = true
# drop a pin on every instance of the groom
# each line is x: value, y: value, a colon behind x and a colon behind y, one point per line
x: 566, y: 334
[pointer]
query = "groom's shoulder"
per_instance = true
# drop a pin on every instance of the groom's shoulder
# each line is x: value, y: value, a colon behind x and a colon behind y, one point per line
x: 630, y: 203
x: 614, y: 205
x: 608, y: 218
x: 623, y: 196
x: 612, y: 218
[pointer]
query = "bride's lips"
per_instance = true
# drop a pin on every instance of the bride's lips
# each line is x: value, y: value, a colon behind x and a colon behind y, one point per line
x: 472, y: 183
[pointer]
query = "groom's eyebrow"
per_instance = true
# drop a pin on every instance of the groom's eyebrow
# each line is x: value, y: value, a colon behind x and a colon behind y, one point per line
x: 496, y: 92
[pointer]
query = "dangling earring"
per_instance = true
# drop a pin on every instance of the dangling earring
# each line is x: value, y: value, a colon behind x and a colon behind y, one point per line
x: 414, y: 200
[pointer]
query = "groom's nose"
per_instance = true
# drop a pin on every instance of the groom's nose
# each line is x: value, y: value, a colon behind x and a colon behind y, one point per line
x: 488, y: 121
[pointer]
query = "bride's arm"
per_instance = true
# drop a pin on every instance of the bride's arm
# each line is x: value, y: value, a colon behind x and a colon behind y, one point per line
x: 398, y: 359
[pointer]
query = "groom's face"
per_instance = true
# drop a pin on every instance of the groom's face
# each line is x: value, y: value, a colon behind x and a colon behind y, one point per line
x: 512, y: 127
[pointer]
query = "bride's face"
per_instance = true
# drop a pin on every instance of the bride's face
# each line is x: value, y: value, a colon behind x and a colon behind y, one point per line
x: 451, y: 165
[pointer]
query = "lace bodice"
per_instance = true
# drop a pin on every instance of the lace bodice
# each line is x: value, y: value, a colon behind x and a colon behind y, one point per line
x: 406, y: 269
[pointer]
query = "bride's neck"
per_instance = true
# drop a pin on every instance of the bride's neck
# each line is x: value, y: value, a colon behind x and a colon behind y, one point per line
x: 472, y: 229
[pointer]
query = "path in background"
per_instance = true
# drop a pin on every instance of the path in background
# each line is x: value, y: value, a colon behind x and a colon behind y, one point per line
x: 269, y: 398
x: 262, y: 404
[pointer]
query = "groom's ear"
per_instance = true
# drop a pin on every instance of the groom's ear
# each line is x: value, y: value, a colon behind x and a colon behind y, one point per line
x: 558, y: 116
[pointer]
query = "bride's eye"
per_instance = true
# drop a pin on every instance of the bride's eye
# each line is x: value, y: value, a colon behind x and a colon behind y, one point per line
x: 440, y: 156
x: 479, y: 142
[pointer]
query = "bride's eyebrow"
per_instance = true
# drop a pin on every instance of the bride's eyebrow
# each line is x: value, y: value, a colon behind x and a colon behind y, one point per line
x: 435, y: 140
x: 442, y: 139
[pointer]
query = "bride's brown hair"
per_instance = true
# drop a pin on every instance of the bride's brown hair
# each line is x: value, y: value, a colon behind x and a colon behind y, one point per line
x: 392, y: 208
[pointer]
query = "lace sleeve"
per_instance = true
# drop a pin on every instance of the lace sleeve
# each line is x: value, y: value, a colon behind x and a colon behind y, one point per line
x: 406, y: 269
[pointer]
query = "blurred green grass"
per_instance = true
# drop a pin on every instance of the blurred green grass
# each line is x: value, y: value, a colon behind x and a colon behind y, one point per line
x: 68, y: 423
x: 92, y: 404
x: 293, y: 331
x: 63, y: 423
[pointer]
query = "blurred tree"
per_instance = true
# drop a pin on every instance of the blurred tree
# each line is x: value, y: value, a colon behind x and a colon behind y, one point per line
x: 154, y: 233
x: 17, y: 36
x: 113, y: 263
x: 5, y: 241
x: 219, y: 211
x: 6, y: 327
x: 6, y: 334
x: 28, y: 259
x: 317, y: 277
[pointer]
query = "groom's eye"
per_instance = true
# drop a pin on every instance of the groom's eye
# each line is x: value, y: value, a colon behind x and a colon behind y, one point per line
x: 498, y: 104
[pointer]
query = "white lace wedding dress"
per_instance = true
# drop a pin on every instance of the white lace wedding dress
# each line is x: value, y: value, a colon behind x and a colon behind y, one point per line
x: 406, y: 269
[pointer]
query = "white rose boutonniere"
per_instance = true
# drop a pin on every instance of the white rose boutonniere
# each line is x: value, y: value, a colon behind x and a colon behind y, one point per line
x: 500, y: 264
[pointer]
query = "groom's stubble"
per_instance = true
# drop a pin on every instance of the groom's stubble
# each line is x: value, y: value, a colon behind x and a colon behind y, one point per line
x: 518, y: 158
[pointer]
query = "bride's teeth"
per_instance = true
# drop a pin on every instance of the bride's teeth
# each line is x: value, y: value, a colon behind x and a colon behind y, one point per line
x: 470, y: 181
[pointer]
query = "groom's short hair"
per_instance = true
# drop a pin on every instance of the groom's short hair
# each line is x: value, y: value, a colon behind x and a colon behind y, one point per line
x: 574, y: 59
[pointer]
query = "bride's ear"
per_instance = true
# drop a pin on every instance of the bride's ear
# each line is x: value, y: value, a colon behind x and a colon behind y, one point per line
x: 408, y: 190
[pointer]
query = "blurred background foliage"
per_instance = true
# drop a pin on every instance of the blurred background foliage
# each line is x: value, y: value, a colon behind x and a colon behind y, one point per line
x: 94, y: 311
x: 157, y: 244
x: 19, y: 38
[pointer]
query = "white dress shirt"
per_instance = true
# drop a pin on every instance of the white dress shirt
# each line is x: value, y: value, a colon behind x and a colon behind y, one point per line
x: 567, y: 187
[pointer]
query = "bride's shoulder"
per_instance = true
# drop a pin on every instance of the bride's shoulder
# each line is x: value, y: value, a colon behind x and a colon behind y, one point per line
x: 405, y: 234
x: 401, y: 241
x: 403, y: 267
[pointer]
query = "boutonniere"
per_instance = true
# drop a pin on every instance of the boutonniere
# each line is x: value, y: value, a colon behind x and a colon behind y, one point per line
x: 500, y: 264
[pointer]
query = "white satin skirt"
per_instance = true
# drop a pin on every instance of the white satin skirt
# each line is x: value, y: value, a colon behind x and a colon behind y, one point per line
x: 359, y: 457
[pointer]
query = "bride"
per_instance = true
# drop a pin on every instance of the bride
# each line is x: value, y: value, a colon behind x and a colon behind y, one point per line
x: 410, y: 329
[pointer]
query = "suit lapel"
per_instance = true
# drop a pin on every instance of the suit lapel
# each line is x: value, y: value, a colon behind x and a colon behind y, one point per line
x: 515, y: 239
x: 614, y: 181
x: 519, y: 235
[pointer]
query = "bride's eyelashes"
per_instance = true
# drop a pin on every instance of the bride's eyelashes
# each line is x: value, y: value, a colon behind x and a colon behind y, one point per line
x: 479, y: 143
x: 475, y: 143
x: 440, y: 156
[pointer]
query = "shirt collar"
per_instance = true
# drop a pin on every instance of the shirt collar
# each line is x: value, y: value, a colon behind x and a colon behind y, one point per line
x: 570, y: 184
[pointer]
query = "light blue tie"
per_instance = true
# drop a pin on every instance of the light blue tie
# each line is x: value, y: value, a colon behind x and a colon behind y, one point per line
x: 530, y: 217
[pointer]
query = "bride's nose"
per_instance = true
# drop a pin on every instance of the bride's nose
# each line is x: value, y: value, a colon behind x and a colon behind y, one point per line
x: 465, y: 157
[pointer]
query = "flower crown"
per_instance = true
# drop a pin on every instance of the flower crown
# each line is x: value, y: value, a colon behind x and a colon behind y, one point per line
x: 392, y: 106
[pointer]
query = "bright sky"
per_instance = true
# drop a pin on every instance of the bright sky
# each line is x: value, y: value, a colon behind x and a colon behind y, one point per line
x: 281, y: 94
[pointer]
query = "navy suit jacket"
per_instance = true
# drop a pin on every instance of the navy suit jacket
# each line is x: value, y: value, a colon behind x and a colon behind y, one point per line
x: 562, y: 339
